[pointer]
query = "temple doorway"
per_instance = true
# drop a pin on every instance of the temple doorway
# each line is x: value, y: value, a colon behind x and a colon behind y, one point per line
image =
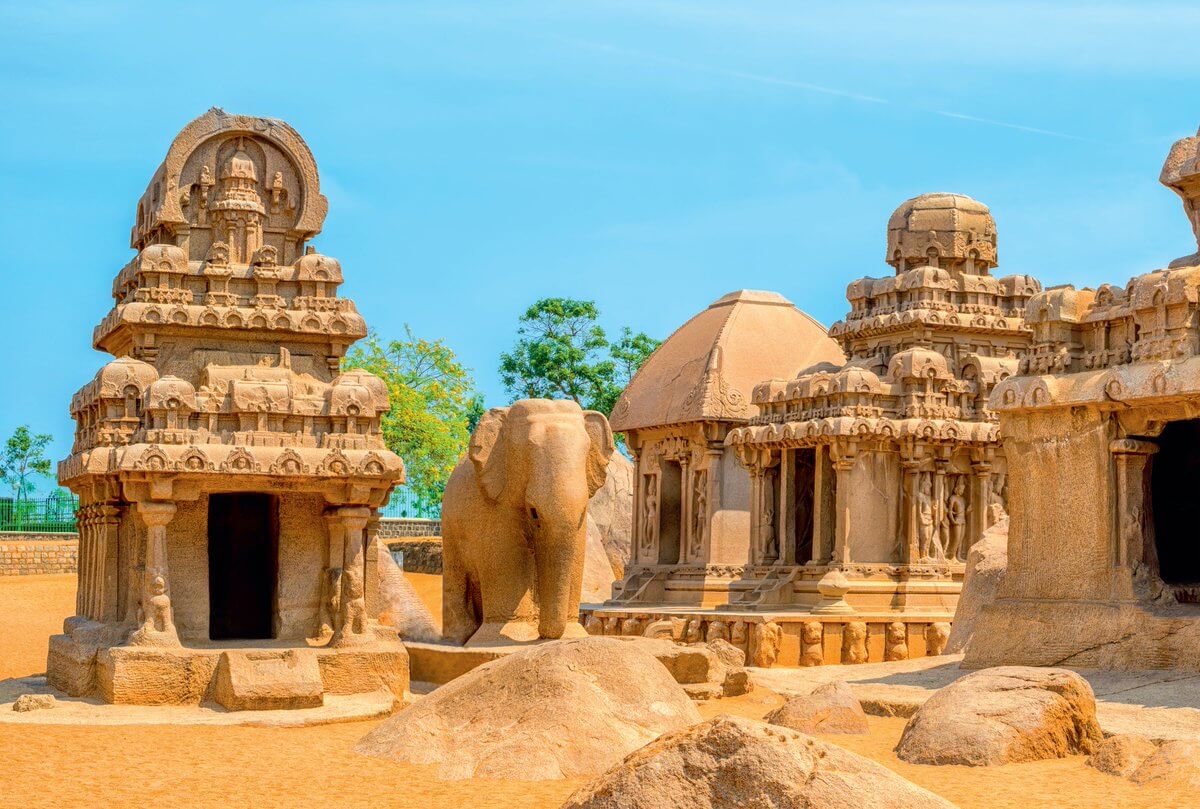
x: 243, y: 553
x: 670, y: 513
x: 1175, y: 468
x: 804, y: 488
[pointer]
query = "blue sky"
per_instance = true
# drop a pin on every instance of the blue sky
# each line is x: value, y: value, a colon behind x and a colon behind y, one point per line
x: 650, y: 156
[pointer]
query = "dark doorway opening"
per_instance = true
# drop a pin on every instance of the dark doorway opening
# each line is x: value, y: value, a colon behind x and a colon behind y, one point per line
x: 804, y: 488
x: 1174, y: 473
x: 243, y: 554
x: 670, y: 513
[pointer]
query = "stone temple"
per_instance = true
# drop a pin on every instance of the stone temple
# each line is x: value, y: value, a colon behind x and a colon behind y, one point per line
x: 870, y: 474
x: 1102, y: 433
x: 229, y: 474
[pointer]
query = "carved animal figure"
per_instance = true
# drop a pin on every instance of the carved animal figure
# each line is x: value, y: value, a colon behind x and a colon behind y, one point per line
x: 693, y: 634
x: 896, y: 642
x: 514, y: 523
x: 812, y: 652
x: 718, y: 630
x: 764, y: 644
x: 593, y: 625
x: 936, y: 636
x: 737, y: 635
x: 854, y: 643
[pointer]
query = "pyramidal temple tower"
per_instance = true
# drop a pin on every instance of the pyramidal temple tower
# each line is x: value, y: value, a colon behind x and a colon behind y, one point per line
x: 229, y: 475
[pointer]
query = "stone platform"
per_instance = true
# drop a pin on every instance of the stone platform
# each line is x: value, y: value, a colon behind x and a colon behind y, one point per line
x: 70, y: 710
x: 251, y: 675
x: 925, y: 632
x: 1160, y: 704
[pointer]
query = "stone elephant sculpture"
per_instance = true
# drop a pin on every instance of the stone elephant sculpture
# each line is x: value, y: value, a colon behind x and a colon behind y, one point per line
x: 514, y: 523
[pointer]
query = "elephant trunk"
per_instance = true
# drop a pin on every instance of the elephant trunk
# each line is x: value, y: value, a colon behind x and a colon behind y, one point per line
x: 557, y: 499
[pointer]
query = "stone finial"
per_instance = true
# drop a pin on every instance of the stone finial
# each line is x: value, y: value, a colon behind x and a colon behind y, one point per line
x: 949, y: 231
x: 833, y: 587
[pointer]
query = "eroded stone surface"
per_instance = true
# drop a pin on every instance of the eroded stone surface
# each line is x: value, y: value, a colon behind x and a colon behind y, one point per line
x: 400, y: 606
x: 1121, y: 754
x: 1001, y: 716
x: 830, y: 708
x: 559, y: 710
x: 986, y: 563
x: 729, y: 762
x: 1176, y: 762
x: 33, y: 702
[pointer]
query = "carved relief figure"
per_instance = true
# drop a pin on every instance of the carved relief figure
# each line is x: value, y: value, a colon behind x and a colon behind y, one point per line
x: 513, y: 522
x: 699, y: 516
x: 693, y: 634
x: 936, y: 635
x: 155, y: 619
x: 650, y: 518
x: 659, y: 628
x: 331, y: 601
x: 956, y: 518
x: 998, y: 499
x: 737, y: 635
x: 925, y: 525
x: 765, y: 639
x: 718, y: 630
x: 854, y: 643
x: 612, y: 625
x: 593, y: 625
x: 770, y: 551
x: 633, y: 626
x: 896, y: 642
x: 812, y: 649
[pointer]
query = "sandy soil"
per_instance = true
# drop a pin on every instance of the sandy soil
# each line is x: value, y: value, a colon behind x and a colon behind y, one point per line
x: 205, y: 766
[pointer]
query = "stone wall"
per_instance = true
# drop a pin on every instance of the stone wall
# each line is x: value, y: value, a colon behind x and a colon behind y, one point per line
x: 397, y: 528
x: 24, y: 554
x: 421, y: 555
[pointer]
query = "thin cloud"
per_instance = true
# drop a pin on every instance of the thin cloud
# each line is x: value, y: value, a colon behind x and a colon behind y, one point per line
x: 778, y: 81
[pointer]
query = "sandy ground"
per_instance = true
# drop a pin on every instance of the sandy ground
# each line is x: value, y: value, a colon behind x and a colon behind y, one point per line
x: 201, y: 766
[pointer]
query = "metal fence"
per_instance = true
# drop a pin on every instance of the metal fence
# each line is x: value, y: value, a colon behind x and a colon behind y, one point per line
x: 404, y: 504
x: 50, y: 515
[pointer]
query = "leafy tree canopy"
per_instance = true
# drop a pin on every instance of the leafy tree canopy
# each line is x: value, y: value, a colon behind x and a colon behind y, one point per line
x: 24, y: 460
x: 433, y: 406
x: 562, y: 353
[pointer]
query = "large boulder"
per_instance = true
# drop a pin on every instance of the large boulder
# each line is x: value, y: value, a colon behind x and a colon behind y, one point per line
x: 729, y: 762
x: 830, y: 708
x: 611, y: 508
x: 987, y: 562
x: 598, y: 574
x: 564, y: 709
x: 1004, y: 715
x: 400, y: 606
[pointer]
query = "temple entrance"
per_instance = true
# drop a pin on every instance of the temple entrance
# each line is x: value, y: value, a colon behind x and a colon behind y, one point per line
x: 803, y: 490
x: 1173, y: 475
x: 670, y: 513
x: 243, y: 553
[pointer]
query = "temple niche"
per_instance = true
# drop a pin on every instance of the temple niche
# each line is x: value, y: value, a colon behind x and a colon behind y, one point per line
x: 229, y: 474
x: 1102, y: 432
x: 867, y: 475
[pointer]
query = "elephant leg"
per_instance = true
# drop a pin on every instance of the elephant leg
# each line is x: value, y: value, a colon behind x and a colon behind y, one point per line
x: 460, y: 618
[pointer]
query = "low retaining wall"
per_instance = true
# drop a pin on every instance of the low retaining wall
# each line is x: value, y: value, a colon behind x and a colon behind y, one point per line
x: 29, y: 554
x: 421, y: 554
x: 397, y: 528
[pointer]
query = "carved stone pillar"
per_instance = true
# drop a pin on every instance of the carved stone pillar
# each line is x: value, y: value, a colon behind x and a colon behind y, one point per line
x: 685, y: 508
x: 1131, y: 458
x: 912, y: 480
x: 842, y: 464
x: 756, y: 511
x: 156, y: 623
x: 981, y: 496
x: 786, y: 516
x: 941, y: 529
x: 330, y: 611
x: 354, y: 626
x: 371, y: 566
x: 823, y: 505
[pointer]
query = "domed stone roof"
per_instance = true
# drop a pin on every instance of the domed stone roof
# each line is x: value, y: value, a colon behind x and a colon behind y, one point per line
x: 951, y: 231
x: 707, y: 369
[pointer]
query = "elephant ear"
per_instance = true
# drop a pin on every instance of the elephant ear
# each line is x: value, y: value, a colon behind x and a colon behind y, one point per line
x: 602, y: 449
x: 487, y: 452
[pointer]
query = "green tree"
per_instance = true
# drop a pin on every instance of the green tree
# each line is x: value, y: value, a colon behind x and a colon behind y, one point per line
x: 562, y: 353
x: 433, y: 400
x: 24, y: 460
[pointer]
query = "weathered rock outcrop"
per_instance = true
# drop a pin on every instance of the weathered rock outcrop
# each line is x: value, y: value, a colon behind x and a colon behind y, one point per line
x: 611, y: 508
x: 830, y: 708
x: 987, y: 562
x: 1121, y: 754
x: 565, y: 709
x: 1176, y: 763
x: 730, y: 762
x: 400, y: 606
x: 1004, y: 715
